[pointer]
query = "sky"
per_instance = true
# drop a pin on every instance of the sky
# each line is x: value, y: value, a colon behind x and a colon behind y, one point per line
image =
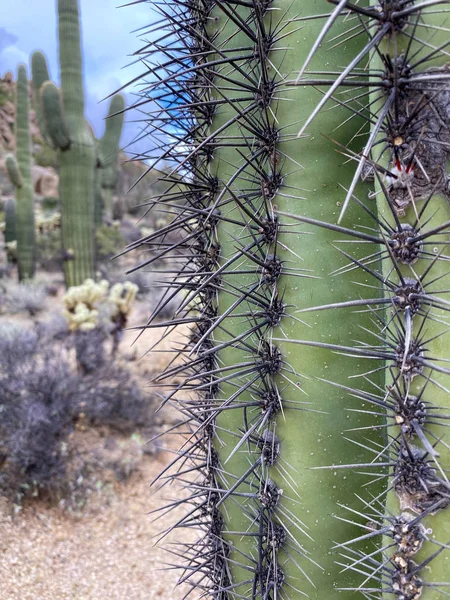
x: 109, y: 38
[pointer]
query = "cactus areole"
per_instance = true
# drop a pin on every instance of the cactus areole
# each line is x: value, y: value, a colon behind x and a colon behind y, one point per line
x: 308, y: 151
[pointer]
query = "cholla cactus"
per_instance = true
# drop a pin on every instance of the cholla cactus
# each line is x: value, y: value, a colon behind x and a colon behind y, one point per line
x: 81, y: 304
x: 121, y: 297
x: 46, y: 223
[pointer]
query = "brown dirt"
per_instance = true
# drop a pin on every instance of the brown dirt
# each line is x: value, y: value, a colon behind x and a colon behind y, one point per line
x: 106, y: 548
x: 108, y: 552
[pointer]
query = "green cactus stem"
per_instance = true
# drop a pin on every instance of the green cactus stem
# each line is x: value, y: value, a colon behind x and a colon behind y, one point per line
x: 259, y: 410
x: 13, y: 171
x: 19, y: 171
x: 313, y: 381
x: 10, y: 221
x: 40, y: 74
x: 109, y: 152
x: 416, y: 194
x: 55, y: 123
x: 65, y: 125
x: 10, y: 232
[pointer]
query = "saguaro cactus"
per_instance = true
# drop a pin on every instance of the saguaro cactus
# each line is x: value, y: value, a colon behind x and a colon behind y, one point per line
x: 64, y: 123
x: 109, y: 152
x: 314, y: 385
x: 10, y: 221
x: 19, y: 171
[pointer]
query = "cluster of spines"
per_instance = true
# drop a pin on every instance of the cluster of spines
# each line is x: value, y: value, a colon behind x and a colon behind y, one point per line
x: 188, y: 93
x: 408, y: 165
x: 406, y: 153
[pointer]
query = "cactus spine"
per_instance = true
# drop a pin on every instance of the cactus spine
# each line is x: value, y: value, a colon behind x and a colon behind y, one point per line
x: 313, y: 404
x: 415, y: 197
x: 66, y: 126
x: 19, y: 171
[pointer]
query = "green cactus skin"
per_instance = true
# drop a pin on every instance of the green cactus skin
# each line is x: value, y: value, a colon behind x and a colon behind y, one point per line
x: 65, y: 125
x: 40, y: 75
x: 12, y: 168
x: 10, y: 221
x: 433, y: 385
x: 299, y: 376
x: 55, y: 124
x: 19, y: 171
x: 109, y: 153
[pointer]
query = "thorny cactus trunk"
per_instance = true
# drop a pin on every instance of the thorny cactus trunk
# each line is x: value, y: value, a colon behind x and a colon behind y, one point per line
x: 314, y: 385
x: 19, y: 171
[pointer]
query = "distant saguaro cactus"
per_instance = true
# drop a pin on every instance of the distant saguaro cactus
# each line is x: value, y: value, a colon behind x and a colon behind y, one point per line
x: 61, y: 116
x: 109, y: 152
x: 19, y: 171
x: 10, y: 221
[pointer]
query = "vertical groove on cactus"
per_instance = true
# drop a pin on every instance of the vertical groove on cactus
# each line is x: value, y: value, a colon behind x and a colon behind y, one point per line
x: 65, y: 125
x: 19, y: 171
x: 313, y: 379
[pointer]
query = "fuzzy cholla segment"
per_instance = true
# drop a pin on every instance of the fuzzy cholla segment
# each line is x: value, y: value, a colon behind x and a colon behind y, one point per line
x: 81, y: 304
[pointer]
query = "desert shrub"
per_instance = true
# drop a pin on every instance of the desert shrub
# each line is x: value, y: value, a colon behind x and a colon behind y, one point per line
x: 129, y: 231
x: 46, y: 157
x: 42, y: 397
x: 49, y: 203
x: 16, y: 343
x: 5, y: 271
x: 109, y: 241
x: 89, y: 349
x: 109, y: 397
x: 27, y: 297
x: 37, y: 390
x: 49, y: 251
